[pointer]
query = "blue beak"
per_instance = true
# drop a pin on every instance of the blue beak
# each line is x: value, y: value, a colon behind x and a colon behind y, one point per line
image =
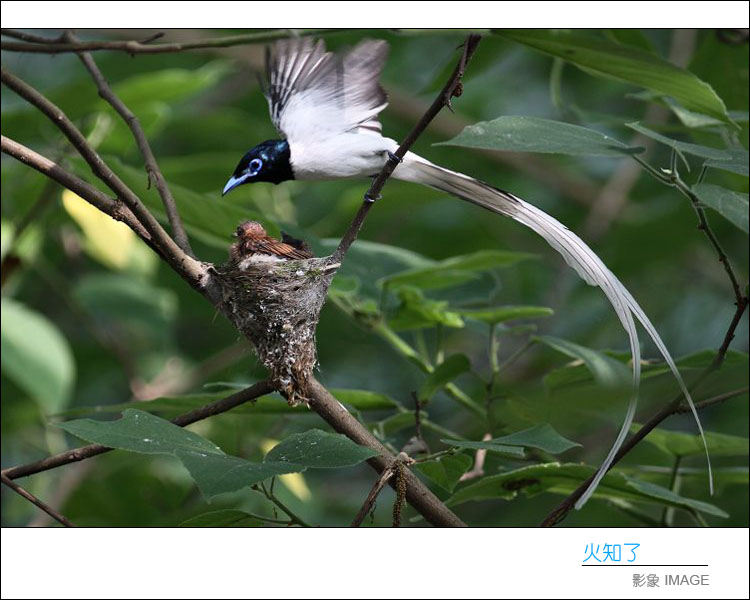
x: 233, y: 183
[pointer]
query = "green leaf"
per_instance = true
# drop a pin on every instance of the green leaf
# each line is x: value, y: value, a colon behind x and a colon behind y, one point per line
x: 682, y: 148
x: 36, y: 356
x: 319, y: 449
x: 733, y: 206
x: 531, y: 134
x: 445, y: 470
x: 565, y: 478
x: 737, y: 163
x: 219, y: 474
x: 606, y: 370
x: 453, y: 271
x: 624, y: 63
x: 542, y: 436
x: 499, y: 314
x: 222, y: 518
x: 445, y: 372
x: 139, y: 431
x: 677, y: 443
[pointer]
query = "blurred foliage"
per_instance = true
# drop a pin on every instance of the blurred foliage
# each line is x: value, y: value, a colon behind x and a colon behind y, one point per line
x: 470, y: 314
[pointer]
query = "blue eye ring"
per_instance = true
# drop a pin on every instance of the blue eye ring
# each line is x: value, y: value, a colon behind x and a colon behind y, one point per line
x: 255, y: 166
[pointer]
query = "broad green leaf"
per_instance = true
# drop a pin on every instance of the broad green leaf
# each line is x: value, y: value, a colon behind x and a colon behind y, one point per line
x: 733, y: 206
x: 542, y: 436
x: 532, y: 134
x: 446, y: 470
x: 677, y: 443
x: 682, y: 148
x: 488, y: 445
x: 445, y: 372
x: 319, y: 449
x: 499, y: 314
x: 222, y: 518
x: 624, y: 63
x: 36, y: 356
x: 737, y: 163
x: 213, y: 471
x: 565, y: 478
x: 448, y: 272
x: 219, y: 474
x: 139, y: 431
x: 606, y: 370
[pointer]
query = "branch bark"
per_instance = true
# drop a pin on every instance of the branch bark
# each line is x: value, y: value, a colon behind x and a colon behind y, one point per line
x: 35, y: 501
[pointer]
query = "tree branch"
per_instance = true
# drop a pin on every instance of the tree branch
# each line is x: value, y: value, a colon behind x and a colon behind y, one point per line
x: 452, y: 88
x: 209, y: 410
x: 673, y: 408
x: 186, y: 266
x: 152, y: 167
x: 417, y: 494
x: 40, y: 45
x: 35, y: 501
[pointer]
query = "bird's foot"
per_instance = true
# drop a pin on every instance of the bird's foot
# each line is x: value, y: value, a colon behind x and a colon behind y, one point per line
x: 392, y: 156
x: 369, y: 199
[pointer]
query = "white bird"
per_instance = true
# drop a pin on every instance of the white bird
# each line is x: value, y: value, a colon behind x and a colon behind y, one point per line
x: 326, y: 108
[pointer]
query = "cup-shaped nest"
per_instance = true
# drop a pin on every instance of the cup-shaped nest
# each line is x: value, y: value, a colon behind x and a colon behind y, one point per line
x: 276, y: 305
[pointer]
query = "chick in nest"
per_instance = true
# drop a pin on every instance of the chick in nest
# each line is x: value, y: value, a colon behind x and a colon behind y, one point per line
x: 254, y: 245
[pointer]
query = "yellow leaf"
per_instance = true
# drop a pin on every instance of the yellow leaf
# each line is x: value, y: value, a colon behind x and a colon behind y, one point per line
x: 108, y: 241
x: 294, y: 482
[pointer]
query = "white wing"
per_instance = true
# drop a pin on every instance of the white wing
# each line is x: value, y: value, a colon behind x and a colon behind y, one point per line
x: 312, y: 93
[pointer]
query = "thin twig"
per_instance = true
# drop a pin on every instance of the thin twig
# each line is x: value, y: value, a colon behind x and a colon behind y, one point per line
x: 152, y: 167
x: 673, y: 408
x: 220, y: 406
x: 35, y: 501
x: 295, y: 520
x: 40, y: 45
x: 443, y: 99
x: 372, y: 496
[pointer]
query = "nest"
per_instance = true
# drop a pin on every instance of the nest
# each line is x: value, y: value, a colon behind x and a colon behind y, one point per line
x: 276, y: 305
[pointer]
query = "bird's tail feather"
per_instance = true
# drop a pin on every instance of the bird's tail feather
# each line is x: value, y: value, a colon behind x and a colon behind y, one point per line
x: 579, y: 256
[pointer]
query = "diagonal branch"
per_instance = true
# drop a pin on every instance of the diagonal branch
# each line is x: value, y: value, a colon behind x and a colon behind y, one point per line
x: 152, y: 167
x: 186, y: 266
x: 452, y: 88
x: 35, y: 501
x: 111, y: 206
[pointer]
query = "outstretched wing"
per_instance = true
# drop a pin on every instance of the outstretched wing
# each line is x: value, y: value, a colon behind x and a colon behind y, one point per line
x: 312, y: 92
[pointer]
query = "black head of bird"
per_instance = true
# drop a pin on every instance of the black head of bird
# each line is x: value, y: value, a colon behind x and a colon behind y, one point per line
x: 268, y: 161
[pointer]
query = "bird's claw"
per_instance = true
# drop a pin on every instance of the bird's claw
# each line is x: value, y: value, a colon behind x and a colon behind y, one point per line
x: 393, y: 156
x: 369, y: 199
